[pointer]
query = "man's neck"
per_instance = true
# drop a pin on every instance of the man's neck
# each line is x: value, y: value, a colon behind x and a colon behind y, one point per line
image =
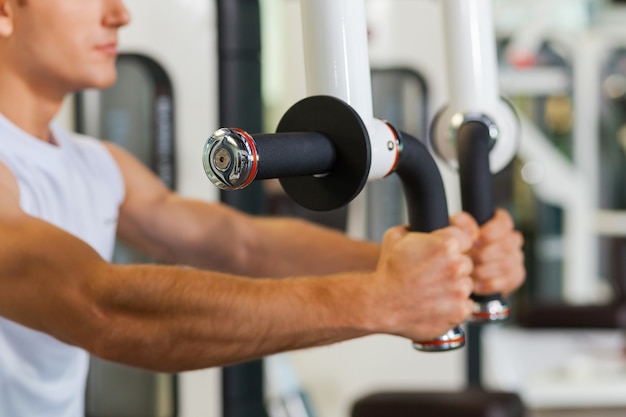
x: 29, y: 109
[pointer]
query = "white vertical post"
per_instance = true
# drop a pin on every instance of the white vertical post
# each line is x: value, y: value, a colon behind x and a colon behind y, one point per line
x: 337, y: 64
x: 473, y: 89
x: 581, y: 263
x: 335, y: 52
x: 471, y: 55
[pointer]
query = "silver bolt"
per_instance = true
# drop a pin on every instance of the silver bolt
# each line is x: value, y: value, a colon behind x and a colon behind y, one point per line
x: 222, y: 159
x: 390, y: 145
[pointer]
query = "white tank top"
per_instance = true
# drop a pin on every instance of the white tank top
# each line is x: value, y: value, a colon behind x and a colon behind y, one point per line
x: 78, y: 187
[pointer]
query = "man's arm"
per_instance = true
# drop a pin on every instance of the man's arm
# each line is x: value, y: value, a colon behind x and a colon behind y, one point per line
x: 213, y: 236
x: 179, y: 230
x: 171, y: 318
x: 159, y: 317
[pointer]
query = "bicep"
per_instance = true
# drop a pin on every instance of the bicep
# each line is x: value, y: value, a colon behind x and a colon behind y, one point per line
x: 171, y: 228
x: 144, y: 193
x: 142, y: 185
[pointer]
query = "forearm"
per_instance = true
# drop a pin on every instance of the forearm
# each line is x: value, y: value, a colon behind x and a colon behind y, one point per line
x: 213, y: 236
x: 166, y: 318
x: 216, y: 319
x: 290, y: 246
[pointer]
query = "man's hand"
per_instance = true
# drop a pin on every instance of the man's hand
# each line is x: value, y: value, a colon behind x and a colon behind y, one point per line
x: 496, y: 253
x: 422, y: 282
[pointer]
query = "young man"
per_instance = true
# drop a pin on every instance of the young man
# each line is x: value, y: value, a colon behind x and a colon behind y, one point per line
x: 63, y: 198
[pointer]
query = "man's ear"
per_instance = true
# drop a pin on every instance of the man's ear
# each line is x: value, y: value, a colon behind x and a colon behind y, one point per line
x: 6, y: 18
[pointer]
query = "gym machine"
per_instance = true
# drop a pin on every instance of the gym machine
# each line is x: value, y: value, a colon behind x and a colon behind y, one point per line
x: 328, y: 145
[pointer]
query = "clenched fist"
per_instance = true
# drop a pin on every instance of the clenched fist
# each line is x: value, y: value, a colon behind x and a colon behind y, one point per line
x: 422, y: 282
x: 496, y: 253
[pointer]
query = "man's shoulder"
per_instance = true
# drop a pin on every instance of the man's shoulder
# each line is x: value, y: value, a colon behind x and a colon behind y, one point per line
x: 66, y: 135
x: 87, y: 145
x: 9, y: 190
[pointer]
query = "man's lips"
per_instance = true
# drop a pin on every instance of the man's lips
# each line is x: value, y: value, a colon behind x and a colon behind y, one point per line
x: 108, y: 48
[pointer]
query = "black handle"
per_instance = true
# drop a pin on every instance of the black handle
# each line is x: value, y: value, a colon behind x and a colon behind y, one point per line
x: 477, y: 195
x: 423, y: 187
x: 428, y: 211
x: 293, y: 154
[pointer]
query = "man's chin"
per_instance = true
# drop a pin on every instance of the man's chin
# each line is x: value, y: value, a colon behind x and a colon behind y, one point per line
x: 104, y: 83
x: 100, y: 81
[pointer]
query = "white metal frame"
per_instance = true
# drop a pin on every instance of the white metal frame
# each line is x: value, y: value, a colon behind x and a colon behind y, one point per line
x: 472, y: 76
x: 337, y: 64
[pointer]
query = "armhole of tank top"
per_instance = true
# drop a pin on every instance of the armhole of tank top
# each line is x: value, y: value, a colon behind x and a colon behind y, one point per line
x: 109, y: 164
x: 115, y: 170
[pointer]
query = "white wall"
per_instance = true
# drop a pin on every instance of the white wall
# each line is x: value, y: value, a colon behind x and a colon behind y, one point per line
x: 181, y: 35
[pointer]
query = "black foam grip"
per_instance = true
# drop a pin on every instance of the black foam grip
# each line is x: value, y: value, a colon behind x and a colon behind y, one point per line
x: 473, y: 142
x: 423, y: 187
x: 294, y: 154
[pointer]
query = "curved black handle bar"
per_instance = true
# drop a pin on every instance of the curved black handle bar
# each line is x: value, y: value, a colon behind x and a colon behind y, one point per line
x: 306, y: 153
x: 423, y: 187
x: 428, y: 211
x: 477, y: 195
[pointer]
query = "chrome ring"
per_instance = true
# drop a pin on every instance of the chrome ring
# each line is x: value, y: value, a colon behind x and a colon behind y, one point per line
x: 490, y: 311
x: 453, y: 339
x: 458, y: 119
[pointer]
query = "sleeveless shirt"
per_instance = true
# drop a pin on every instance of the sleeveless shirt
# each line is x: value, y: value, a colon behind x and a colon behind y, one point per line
x: 77, y: 186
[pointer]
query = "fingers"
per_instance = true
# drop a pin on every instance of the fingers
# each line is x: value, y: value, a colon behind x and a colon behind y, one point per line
x: 493, y: 250
x: 464, y: 287
x: 467, y: 223
x: 423, y: 281
x: 502, y: 276
x: 456, y: 239
x: 498, y: 256
x: 500, y: 225
x: 446, y: 314
x: 427, y: 278
x: 502, y: 284
x: 448, y: 295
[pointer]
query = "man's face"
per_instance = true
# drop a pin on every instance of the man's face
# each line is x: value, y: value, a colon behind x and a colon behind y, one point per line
x: 67, y: 44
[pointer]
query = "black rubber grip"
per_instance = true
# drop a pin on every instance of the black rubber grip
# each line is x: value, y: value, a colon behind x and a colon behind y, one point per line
x: 282, y: 155
x: 423, y: 187
x: 486, y: 297
x: 473, y: 142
